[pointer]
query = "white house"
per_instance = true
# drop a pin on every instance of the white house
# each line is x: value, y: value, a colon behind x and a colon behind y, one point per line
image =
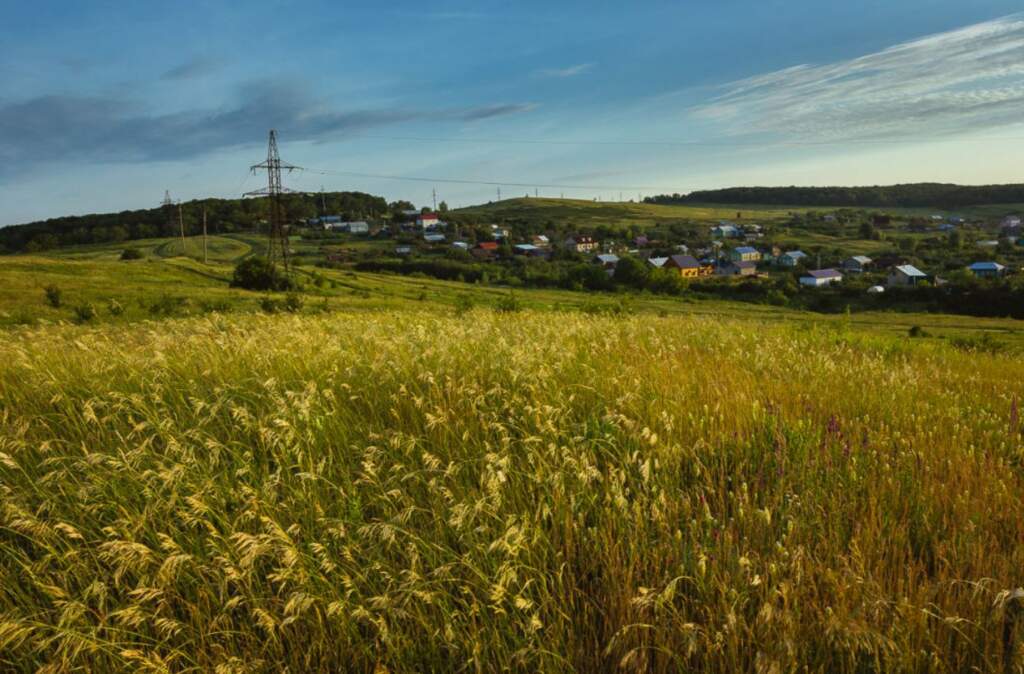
x: 427, y: 220
x: 905, y: 275
x: 434, y: 238
x: 725, y: 230
x: 657, y: 262
x: 821, y: 277
x: 1011, y: 221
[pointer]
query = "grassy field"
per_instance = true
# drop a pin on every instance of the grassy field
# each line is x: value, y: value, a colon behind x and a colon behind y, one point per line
x: 536, y: 491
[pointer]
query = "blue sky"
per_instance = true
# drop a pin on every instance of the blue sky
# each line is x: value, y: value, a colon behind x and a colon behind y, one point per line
x: 104, y: 105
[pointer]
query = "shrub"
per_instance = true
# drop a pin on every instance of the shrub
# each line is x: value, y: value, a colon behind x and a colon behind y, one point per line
x: 292, y: 303
x: 215, y: 306
x: 463, y: 305
x: 270, y: 305
x: 508, y: 304
x: 917, y: 331
x: 166, y: 305
x: 54, y: 296
x: 115, y: 308
x: 257, y: 273
x: 131, y: 254
x: 84, y: 313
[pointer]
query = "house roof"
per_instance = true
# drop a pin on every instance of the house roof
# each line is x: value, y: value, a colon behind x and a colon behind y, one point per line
x: 746, y: 250
x: 794, y: 253
x: 526, y: 246
x: 910, y: 270
x: 863, y: 259
x: 745, y: 264
x: 608, y: 259
x: 824, y: 273
x: 657, y: 261
x: 487, y: 245
x: 684, y: 261
x: 987, y: 266
x: 427, y: 216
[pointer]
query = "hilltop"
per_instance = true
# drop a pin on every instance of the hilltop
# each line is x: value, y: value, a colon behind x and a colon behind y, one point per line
x: 915, y: 195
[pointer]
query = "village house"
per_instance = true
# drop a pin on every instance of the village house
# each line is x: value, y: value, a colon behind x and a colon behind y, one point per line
x: 427, y: 220
x: 1011, y: 221
x: 581, y: 244
x: 821, y: 277
x: 688, y: 266
x: 905, y: 275
x: 484, y: 250
x: 608, y: 262
x: 500, y: 233
x: 857, y: 264
x: 403, y: 250
x: 434, y: 238
x: 745, y: 254
x: 657, y: 262
x: 541, y: 241
x: 641, y: 241
x: 725, y: 230
x: 460, y: 245
x: 987, y: 269
x: 791, y: 258
x: 737, y: 268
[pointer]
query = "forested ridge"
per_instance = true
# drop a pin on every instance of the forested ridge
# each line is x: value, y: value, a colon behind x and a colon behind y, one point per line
x: 917, y: 195
x: 223, y: 215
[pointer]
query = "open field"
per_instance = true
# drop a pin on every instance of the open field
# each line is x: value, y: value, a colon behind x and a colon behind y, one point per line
x: 157, y: 288
x: 414, y: 491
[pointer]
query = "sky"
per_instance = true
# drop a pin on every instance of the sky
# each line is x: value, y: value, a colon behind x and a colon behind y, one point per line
x: 104, y: 105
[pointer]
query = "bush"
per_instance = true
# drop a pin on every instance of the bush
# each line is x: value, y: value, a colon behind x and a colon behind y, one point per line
x: 270, y: 305
x: 131, y: 254
x: 463, y: 305
x: 84, y: 313
x: 917, y: 331
x: 257, y: 273
x: 115, y: 308
x: 54, y: 296
x: 292, y: 303
x: 215, y: 306
x: 166, y: 305
x: 508, y: 304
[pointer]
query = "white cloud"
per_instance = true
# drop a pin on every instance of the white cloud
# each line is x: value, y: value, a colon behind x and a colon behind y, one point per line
x: 571, y: 71
x: 968, y: 79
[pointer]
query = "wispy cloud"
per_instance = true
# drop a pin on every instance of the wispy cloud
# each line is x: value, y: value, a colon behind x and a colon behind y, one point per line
x: 199, y: 66
x: 58, y: 127
x: 571, y: 71
x: 963, y: 80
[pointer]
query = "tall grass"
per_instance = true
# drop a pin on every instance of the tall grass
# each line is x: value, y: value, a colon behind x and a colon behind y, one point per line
x: 532, y: 492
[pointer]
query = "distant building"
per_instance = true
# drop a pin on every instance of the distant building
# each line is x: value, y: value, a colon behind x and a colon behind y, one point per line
x: 989, y: 243
x: 737, y: 268
x: 608, y: 262
x: 905, y: 275
x: 688, y: 266
x: 427, y: 220
x: 725, y: 230
x: 857, y: 264
x: 581, y: 244
x: 541, y: 241
x: 1011, y: 221
x: 434, y: 238
x: 657, y: 262
x: 460, y: 245
x: 987, y: 269
x: 403, y: 250
x: 485, y: 249
x: 745, y: 254
x: 821, y: 277
x: 791, y: 258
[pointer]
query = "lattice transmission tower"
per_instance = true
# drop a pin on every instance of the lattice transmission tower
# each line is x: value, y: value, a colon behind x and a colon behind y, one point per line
x: 277, y: 249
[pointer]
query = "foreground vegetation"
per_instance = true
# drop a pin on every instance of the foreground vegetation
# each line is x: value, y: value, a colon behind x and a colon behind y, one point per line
x: 533, y: 491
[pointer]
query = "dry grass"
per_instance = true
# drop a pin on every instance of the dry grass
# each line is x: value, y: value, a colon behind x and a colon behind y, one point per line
x: 536, y: 492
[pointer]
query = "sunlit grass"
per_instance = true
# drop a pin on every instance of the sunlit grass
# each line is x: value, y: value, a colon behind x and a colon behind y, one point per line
x: 537, y: 492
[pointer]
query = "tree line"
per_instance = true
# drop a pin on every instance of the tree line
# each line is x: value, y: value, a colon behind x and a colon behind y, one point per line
x: 223, y: 216
x: 917, y: 195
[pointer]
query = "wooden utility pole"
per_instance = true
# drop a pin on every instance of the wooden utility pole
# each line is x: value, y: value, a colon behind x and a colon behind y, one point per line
x: 205, y: 258
x: 181, y: 225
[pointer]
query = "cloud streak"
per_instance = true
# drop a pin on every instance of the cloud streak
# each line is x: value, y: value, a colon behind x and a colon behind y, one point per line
x: 199, y: 66
x: 70, y: 128
x: 968, y: 79
x: 571, y: 71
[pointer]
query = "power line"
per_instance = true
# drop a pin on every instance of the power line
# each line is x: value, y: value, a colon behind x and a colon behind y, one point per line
x: 692, y: 143
x: 491, y: 183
